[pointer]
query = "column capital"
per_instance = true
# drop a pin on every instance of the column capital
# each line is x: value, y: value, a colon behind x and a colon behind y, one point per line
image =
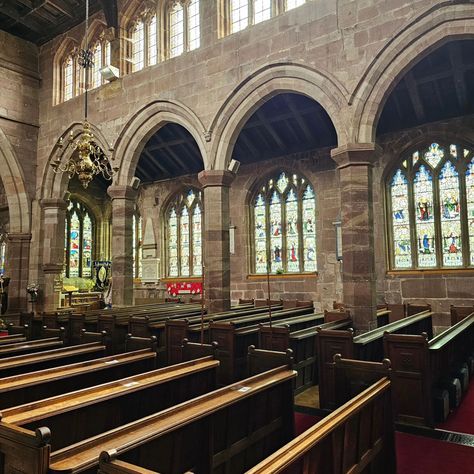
x: 122, y: 192
x: 19, y: 236
x: 355, y: 154
x: 209, y: 178
x: 53, y: 203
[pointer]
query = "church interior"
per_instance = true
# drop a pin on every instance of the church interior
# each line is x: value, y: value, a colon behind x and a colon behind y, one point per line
x: 236, y: 236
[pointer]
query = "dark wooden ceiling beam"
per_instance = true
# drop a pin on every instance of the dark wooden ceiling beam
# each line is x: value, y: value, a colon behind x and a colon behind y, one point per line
x: 63, y: 7
x: 7, y: 10
x: 299, y: 119
x: 157, y: 164
x: 412, y: 88
x: 165, y: 144
x: 458, y: 73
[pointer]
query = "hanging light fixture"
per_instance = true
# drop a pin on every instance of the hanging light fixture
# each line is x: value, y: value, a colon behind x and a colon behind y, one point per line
x: 88, y: 159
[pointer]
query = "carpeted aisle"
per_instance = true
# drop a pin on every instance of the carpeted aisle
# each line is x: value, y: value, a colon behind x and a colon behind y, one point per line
x: 462, y: 419
x: 304, y: 422
x: 420, y: 455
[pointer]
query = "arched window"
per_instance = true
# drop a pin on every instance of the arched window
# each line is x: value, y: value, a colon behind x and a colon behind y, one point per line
x: 137, y: 245
x: 184, y: 27
x: 3, y: 253
x: 143, y: 35
x: 152, y: 41
x: 96, y: 78
x: 184, y: 221
x: 79, y: 233
x: 68, y: 78
x: 430, y: 200
x: 138, y: 46
x: 284, y: 226
x: 290, y: 4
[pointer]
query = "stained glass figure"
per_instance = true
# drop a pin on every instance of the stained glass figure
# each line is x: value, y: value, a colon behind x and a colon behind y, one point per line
x: 434, y: 155
x: 3, y: 252
x: 450, y: 213
x: 453, y: 150
x: 416, y: 157
x: 292, y: 248
x: 276, y: 238
x: 197, y: 241
x: 470, y: 207
x: 309, y: 230
x: 87, y: 246
x: 282, y: 182
x: 184, y: 241
x: 74, y: 245
x: 173, y: 244
x: 260, y: 235
x: 425, y: 229
x: 400, y: 220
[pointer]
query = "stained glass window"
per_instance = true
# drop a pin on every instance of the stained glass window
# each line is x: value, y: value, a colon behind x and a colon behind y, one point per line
x: 184, y: 221
x: 79, y: 238
x: 427, y: 205
x: 96, y: 79
x: 68, y: 79
x: 284, y: 226
x: 137, y: 245
x: 176, y: 30
x: 3, y: 254
x: 138, y: 46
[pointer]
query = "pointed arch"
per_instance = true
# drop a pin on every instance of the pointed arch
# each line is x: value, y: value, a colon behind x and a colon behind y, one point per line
x: 11, y: 174
x: 261, y: 86
x: 435, y: 27
x: 146, y: 122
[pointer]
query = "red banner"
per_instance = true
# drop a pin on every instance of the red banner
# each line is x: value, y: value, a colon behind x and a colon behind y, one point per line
x: 184, y: 288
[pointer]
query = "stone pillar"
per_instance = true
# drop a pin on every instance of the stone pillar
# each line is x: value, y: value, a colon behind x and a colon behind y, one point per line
x: 355, y: 162
x: 54, y: 217
x: 123, y: 207
x: 216, y: 253
x: 17, y: 269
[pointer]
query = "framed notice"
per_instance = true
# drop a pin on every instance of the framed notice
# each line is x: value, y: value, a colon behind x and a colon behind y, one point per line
x: 338, y: 229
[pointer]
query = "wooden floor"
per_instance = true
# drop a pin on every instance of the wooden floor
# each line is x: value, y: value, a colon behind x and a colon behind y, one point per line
x: 309, y: 398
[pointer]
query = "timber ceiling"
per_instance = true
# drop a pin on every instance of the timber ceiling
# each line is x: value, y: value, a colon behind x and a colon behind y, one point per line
x: 439, y: 87
x: 39, y: 21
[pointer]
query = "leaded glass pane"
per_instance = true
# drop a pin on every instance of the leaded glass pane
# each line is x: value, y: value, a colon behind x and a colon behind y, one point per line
x: 276, y: 239
x: 68, y: 84
x: 454, y: 151
x: 3, y: 251
x: 139, y: 247
x: 434, y: 155
x: 292, y: 238
x: 400, y: 221
x: 470, y: 207
x: 97, y: 66
x: 290, y: 4
x: 262, y: 10
x: 239, y: 15
x: 138, y: 47
x: 134, y: 245
x: 449, y: 196
x: 75, y: 242
x: 425, y: 230
x: 260, y: 235
x: 184, y: 241
x: 86, y: 246
x: 194, y: 33
x: 197, y: 241
x: 176, y: 30
x: 282, y: 182
x: 173, y: 269
x: 152, y: 42
x: 309, y: 230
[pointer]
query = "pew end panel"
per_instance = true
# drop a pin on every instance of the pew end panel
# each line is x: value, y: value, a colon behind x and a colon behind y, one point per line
x: 138, y: 326
x: 23, y: 451
x: 24, y: 330
x: 60, y: 333
x: 458, y: 313
x: 331, y: 316
x: 411, y: 377
x: 397, y: 312
x: 134, y: 343
x: 417, y: 308
x: 274, y: 338
x: 75, y: 327
x: 194, y: 350
x: 328, y: 343
x: 224, y: 335
x: 261, y: 360
x: 86, y: 337
x: 175, y: 331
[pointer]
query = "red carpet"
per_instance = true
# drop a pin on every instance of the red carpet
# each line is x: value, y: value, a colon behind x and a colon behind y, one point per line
x: 419, y: 455
x: 462, y: 419
x: 304, y: 422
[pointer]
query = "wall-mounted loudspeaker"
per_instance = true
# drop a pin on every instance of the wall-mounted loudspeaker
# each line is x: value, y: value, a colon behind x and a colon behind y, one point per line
x: 135, y: 182
x: 234, y: 166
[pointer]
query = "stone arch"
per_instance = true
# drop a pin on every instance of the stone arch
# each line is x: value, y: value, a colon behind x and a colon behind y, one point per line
x: 13, y: 181
x: 264, y: 84
x: 423, y: 35
x: 55, y: 185
x: 144, y: 124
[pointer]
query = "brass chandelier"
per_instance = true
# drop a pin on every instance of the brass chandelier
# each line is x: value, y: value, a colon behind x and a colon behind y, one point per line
x: 88, y: 159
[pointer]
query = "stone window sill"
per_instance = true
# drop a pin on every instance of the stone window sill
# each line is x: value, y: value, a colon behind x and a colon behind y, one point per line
x: 437, y: 271
x: 282, y: 276
x: 180, y: 279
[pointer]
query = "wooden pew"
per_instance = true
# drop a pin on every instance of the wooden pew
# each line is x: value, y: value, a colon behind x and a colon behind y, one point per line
x: 420, y: 366
x: 167, y: 441
x: 30, y: 386
x: 458, y: 313
x: 53, y: 358
x: 357, y: 437
x: 30, y: 347
x: 368, y: 346
x: 109, y: 465
x: 12, y: 338
x: 303, y: 344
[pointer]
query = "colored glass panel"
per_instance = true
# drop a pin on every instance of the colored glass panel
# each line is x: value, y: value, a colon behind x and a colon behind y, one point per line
x: 173, y: 269
x: 400, y: 221
x: 3, y: 251
x: 276, y: 237
x: 184, y: 242
x: 74, y: 243
x: 454, y: 151
x: 450, y: 213
x: 292, y: 238
x: 470, y: 207
x: 260, y: 233
x: 309, y: 230
x: 434, y: 155
x: 197, y: 241
x: 282, y: 183
x: 425, y: 230
x: 86, y: 246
